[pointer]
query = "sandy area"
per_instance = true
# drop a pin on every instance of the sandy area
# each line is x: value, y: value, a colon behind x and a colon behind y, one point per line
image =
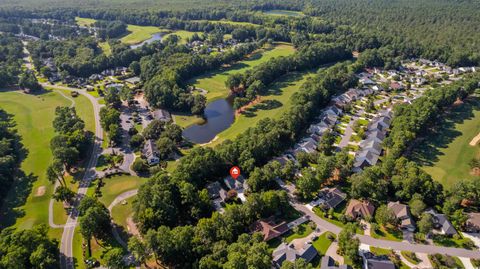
x: 132, y: 228
x: 475, y: 140
x: 40, y: 191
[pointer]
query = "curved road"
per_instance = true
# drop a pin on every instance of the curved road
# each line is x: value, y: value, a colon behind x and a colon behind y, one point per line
x: 66, y: 250
x: 115, y: 202
x: 368, y: 240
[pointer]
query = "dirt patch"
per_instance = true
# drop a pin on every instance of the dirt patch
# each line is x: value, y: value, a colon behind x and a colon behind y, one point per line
x: 132, y: 227
x: 40, y: 191
x: 475, y: 171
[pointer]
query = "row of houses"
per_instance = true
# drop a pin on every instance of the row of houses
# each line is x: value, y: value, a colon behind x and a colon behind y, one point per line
x: 371, y: 147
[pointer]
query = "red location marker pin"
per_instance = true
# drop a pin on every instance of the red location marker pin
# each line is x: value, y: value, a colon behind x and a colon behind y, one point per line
x: 235, y: 172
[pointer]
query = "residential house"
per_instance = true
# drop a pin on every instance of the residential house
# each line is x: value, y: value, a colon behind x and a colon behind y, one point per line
x: 329, y: 198
x: 308, y: 145
x: 363, y: 159
x: 371, y: 145
x: 285, y: 252
x: 366, y: 81
x: 402, y: 213
x: 328, y: 263
x: 162, y: 115
x: 441, y: 224
x: 473, y: 223
x: 235, y: 184
x: 359, y: 209
x: 217, y: 194
x: 269, y: 228
x: 381, y: 262
x: 151, y: 153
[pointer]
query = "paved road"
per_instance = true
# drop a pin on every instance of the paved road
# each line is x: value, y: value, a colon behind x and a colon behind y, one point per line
x: 115, y: 202
x: 364, y: 239
x: 66, y: 250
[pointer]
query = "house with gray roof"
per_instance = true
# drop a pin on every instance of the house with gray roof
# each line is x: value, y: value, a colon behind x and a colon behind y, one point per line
x: 151, y: 153
x: 402, y: 213
x: 372, y: 146
x: 329, y: 198
x: 363, y: 159
x: 285, y: 252
x: 441, y: 224
x: 329, y: 263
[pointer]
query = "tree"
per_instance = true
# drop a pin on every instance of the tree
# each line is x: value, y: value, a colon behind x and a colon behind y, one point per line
x: 173, y: 132
x: 28, y: 80
x: 114, y: 134
x: 67, y: 121
x: 55, y: 172
x: 114, y: 259
x: 95, y: 222
x: 109, y: 116
x: 385, y: 215
x: 307, y: 185
x: 140, y: 165
x: 136, y: 141
x: 165, y: 147
x: 297, y: 264
x: 326, y: 143
x: 63, y: 193
x: 199, y: 103
x: 139, y: 250
x: 112, y: 98
x: 425, y: 224
x: 135, y: 67
x: 154, y: 129
x: 417, y: 206
x: 348, y: 244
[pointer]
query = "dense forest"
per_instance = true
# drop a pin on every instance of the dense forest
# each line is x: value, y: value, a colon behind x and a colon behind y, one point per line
x: 11, y: 153
x: 10, y: 59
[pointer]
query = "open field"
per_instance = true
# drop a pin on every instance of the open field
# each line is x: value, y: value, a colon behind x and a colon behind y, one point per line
x: 117, y: 185
x: 184, y: 35
x: 85, y: 21
x: 446, y: 154
x: 34, y: 115
x: 289, y: 13
x: 105, y: 48
x: 214, y: 82
x: 272, y: 105
x: 139, y: 33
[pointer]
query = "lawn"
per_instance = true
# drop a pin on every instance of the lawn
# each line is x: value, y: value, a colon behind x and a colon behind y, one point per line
x: 301, y: 231
x: 105, y: 46
x: 117, y: 185
x: 445, y: 261
x: 322, y: 243
x: 446, y: 154
x: 214, y: 82
x: 411, y: 257
x: 272, y: 105
x: 184, y: 120
x: 380, y: 251
x: 230, y: 22
x: 121, y: 212
x: 387, y: 233
x: 334, y: 219
x: 289, y: 13
x: 139, y: 34
x: 85, y: 21
x: 184, y: 35
x: 34, y: 115
x: 456, y: 241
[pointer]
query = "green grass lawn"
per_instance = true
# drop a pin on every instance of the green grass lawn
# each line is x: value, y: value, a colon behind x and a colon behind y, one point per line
x: 302, y: 231
x: 411, y: 257
x: 322, y: 243
x: 138, y: 33
x: 387, y: 233
x: 34, y: 115
x: 288, y: 13
x: 184, y: 35
x: 445, y: 155
x: 214, y: 82
x: 273, y: 105
x: 184, y: 120
x: 84, y: 21
x: 456, y: 242
x: 380, y: 251
x: 117, y: 185
x: 120, y: 212
x: 105, y: 46
x: 444, y: 261
x: 334, y: 219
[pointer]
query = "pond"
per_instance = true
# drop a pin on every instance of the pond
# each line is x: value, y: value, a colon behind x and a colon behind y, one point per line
x: 155, y: 37
x: 219, y: 115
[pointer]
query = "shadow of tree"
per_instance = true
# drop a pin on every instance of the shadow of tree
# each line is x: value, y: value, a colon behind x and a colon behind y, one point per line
x: 427, y: 151
x: 16, y: 197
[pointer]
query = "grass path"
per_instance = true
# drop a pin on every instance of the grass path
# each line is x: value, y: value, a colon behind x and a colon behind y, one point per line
x: 214, y: 82
x: 34, y: 115
x: 446, y: 153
